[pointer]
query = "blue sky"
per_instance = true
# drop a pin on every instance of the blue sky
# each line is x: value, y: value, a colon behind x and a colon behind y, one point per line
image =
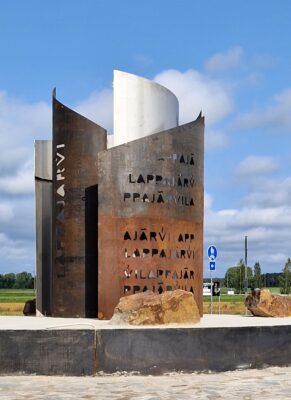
x: 229, y: 58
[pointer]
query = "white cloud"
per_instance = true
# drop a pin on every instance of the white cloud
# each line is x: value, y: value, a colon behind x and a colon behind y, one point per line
x: 13, y: 157
x: 16, y: 254
x: 208, y: 201
x: 278, y: 258
x: 275, y: 115
x: 20, y: 124
x: 271, y: 193
x: 21, y: 221
x: 215, y: 140
x: 99, y: 108
x: 225, y: 61
x: 6, y: 211
x: 257, y: 165
x: 17, y: 224
x: 197, y: 92
x: 268, y: 232
x: 265, y: 217
x: 22, y: 182
x: 253, y: 217
x: 194, y: 90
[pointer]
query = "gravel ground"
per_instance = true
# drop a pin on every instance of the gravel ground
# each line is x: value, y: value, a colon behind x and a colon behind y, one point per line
x: 270, y: 383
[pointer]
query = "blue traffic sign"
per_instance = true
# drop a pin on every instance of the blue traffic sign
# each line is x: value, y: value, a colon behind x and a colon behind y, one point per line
x: 212, y: 253
x: 212, y: 266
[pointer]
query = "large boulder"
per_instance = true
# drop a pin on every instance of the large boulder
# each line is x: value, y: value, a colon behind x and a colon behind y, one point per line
x: 262, y: 303
x: 148, y: 308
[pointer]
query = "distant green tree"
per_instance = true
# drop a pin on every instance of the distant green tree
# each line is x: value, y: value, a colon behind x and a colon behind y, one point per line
x: 257, y: 281
x: 24, y: 280
x: 285, y: 278
x: 235, y: 277
x: 8, y: 281
x: 271, y: 279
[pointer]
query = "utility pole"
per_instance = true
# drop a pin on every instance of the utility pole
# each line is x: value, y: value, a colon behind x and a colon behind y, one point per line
x: 246, y: 265
x: 246, y: 270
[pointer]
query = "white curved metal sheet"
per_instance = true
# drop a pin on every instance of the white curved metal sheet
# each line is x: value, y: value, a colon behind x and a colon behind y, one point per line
x: 141, y: 108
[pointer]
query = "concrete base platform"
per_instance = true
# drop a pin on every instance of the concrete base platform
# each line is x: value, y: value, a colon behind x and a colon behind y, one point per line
x: 57, y: 346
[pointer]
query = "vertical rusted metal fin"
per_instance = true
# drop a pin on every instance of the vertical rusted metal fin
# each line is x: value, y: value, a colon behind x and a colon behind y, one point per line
x: 76, y: 142
x: 150, y: 213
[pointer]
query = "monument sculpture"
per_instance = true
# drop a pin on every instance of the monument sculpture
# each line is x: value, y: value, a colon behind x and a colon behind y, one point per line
x: 119, y: 220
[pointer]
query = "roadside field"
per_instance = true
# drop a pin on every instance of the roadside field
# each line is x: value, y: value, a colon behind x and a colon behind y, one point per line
x: 274, y: 290
x: 235, y: 298
x: 12, y: 300
x: 16, y: 295
x: 11, y: 308
x: 229, y: 304
x: 234, y: 308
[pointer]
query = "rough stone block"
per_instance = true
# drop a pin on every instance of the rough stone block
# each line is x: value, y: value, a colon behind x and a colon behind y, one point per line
x: 148, y: 308
x: 262, y: 303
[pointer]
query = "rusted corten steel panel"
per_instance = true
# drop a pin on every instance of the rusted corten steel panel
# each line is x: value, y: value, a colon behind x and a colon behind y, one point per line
x: 150, y: 216
x: 76, y: 142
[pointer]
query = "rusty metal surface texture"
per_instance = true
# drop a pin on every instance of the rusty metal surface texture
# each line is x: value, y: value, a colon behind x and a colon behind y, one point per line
x: 150, y: 216
x: 76, y: 142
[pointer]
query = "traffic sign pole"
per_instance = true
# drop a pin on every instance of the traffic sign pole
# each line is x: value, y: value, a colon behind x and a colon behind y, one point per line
x: 212, y: 254
x: 211, y: 283
x: 211, y: 268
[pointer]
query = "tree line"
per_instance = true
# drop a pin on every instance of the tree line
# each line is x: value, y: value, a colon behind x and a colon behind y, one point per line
x: 234, y: 278
x: 239, y: 277
x: 22, y: 280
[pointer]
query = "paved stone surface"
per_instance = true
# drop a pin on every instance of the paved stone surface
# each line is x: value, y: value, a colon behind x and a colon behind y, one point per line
x: 270, y: 383
x: 208, y: 321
